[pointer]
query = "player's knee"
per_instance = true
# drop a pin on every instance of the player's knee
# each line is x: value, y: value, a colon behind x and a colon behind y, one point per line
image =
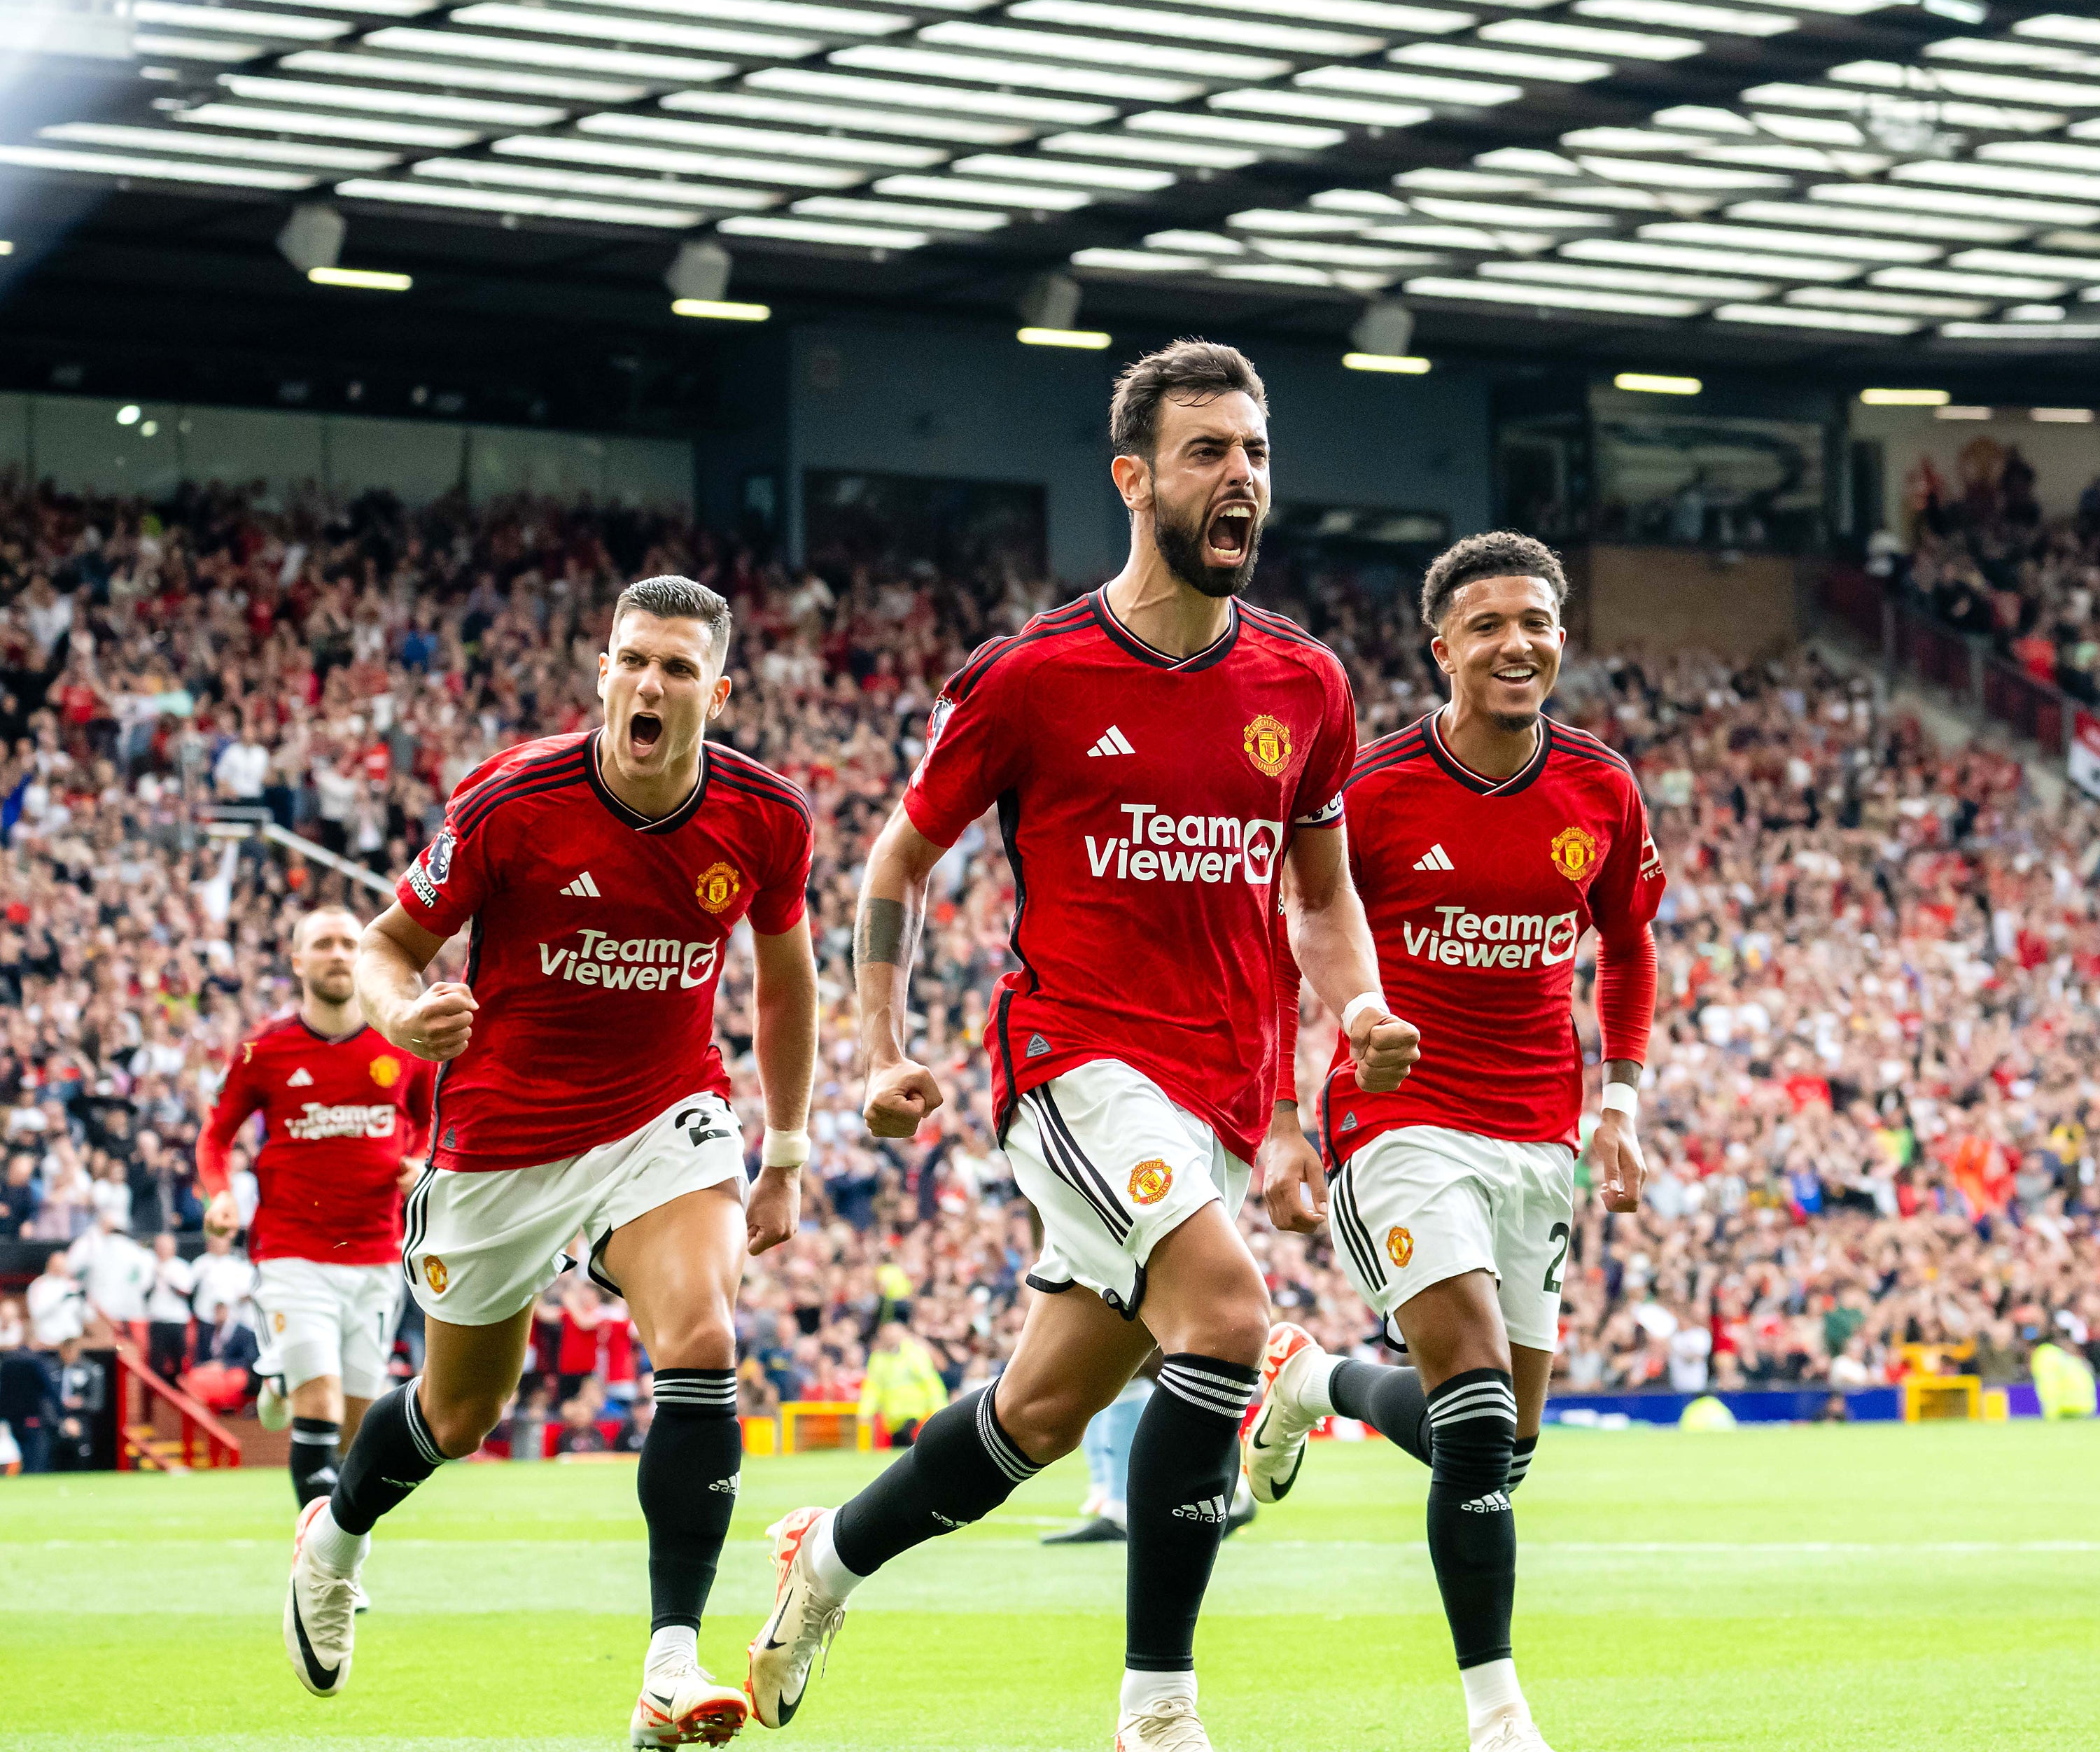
x: 459, y: 1426
x: 705, y: 1338
x: 1234, y: 1325
x: 1046, y: 1424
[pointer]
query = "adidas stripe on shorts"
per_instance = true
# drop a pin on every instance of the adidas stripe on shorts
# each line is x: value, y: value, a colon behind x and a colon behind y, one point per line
x: 480, y: 1246
x: 1111, y: 1164
x: 1422, y: 1203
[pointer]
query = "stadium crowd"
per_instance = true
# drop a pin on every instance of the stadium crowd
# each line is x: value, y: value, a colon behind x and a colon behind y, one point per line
x: 1872, y: 1118
x: 1983, y: 559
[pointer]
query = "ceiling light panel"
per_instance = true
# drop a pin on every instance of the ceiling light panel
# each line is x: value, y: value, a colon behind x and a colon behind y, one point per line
x: 1552, y: 297
x: 2027, y: 334
x: 1143, y: 149
x: 383, y: 130
x: 485, y: 200
x: 756, y: 106
x: 468, y: 45
x: 1974, y: 285
x: 430, y: 107
x: 1108, y: 51
x: 1361, y: 113
x: 454, y: 77
x: 1278, y: 136
x: 196, y: 48
x: 1498, y: 212
x: 295, y: 27
x: 1787, y: 316
x: 732, y: 137
x: 1564, y: 273
x: 1631, y: 250
x: 604, y: 27
x: 1688, y: 15
x: 1849, y: 218
x: 861, y: 210
x: 1138, y: 260
x: 154, y: 141
x: 1027, y: 197
x: 1509, y: 63
x: 1587, y: 39
x: 1201, y: 243
x: 1889, y: 303
x: 1179, y: 27
x: 1940, y: 201
x: 1959, y: 81
x: 1029, y: 75
x: 2015, y: 179
x: 1791, y: 242
x: 942, y: 100
x: 635, y: 155
x: 1377, y: 81
x: 204, y: 171
x: 1362, y: 15
x: 1120, y: 178
x: 2024, y: 262
x: 487, y: 173
x: 784, y: 15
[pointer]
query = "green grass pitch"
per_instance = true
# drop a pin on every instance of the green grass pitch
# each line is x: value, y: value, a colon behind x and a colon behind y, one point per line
x: 1824, y: 1588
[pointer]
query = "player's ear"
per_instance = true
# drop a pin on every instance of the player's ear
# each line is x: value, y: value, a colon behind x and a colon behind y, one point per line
x: 604, y: 669
x: 1442, y: 653
x: 718, y: 700
x: 1133, y: 480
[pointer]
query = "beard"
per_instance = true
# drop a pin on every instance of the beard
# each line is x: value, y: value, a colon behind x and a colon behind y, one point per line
x: 333, y: 988
x: 1513, y: 723
x: 1181, y: 546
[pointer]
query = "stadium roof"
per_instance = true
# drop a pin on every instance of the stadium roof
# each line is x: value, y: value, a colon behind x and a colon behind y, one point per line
x: 1867, y: 182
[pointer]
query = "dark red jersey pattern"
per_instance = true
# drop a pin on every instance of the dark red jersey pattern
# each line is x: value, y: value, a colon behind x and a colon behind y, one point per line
x: 339, y: 1118
x: 1145, y: 803
x: 1477, y: 891
x: 598, y: 941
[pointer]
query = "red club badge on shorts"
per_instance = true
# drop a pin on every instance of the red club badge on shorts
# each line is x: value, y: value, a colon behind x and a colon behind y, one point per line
x: 277, y: 1323
x: 434, y: 1273
x: 719, y: 884
x: 1150, y: 1181
x: 1399, y: 1245
x: 1574, y: 854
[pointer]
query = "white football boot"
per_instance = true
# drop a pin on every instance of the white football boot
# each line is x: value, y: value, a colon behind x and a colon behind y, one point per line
x: 686, y: 1707
x: 1512, y: 1733
x: 804, y: 1622
x: 320, y: 1614
x: 1169, y: 1725
x: 1274, y: 1445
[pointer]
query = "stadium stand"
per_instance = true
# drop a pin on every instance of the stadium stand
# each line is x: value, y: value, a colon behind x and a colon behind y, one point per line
x: 1874, y: 1121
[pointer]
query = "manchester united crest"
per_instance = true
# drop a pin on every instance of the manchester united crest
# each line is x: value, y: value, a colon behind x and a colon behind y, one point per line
x: 1150, y: 1181
x: 434, y: 1273
x: 1574, y: 854
x: 719, y: 884
x: 1399, y: 1245
x: 385, y: 1070
x: 1267, y: 741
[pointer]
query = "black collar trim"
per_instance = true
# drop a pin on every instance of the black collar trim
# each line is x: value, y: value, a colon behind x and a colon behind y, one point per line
x: 329, y: 1040
x: 635, y: 819
x: 1214, y: 652
x: 1479, y: 782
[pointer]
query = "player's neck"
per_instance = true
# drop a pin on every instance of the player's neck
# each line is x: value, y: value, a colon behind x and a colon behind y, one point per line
x: 1481, y: 743
x: 335, y: 1021
x: 651, y: 798
x: 1169, y: 615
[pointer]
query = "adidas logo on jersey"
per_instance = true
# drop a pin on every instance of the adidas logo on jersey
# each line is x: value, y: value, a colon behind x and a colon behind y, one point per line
x: 301, y: 1078
x: 583, y: 887
x: 1211, y: 1509
x: 1113, y: 742
x: 1435, y: 858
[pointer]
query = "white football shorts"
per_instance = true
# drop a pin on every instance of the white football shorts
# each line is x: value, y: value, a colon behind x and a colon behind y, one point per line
x: 1421, y: 1204
x: 481, y: 1246
x: 1111, y: 1164
x: 319, y: 1319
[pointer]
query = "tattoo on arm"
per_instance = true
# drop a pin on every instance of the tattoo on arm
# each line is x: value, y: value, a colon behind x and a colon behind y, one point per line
x: 1623, y: 1070
x: 888, y: 932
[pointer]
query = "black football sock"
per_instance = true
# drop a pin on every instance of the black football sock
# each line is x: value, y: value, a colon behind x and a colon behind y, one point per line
x: 1390, y: 1400
x: 687, y: 1482
x: 1472, y: 1531
x: 1182, y: 1462
x: 1520, y: 1461
x: 963, y: 1466
x: 313, y: 1461
x: 395, y: 1452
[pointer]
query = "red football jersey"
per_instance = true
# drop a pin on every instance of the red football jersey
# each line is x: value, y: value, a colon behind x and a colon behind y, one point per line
x: 598, y: 941
x: 1146, y: 803
x: 1477, y: 890
x: 339, y: 1118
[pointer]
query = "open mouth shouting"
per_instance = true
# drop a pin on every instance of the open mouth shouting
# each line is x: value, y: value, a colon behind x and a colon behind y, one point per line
x: 1229, y: 533
x: 645, y: 729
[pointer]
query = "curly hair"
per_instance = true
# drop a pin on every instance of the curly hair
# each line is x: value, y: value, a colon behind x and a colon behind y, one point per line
x: 1499, y: 553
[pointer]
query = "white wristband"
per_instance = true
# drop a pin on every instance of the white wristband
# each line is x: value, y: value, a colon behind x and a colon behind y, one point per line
x: 1363, y: 1000
x: 783, y: 1149
x: 1623, y: 1098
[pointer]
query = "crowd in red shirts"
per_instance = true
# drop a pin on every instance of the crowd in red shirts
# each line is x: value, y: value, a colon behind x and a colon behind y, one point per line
x: 1871, y: 1113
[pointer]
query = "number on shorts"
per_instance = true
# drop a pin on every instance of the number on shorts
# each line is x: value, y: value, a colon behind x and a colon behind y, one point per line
x: 1560, y: 1233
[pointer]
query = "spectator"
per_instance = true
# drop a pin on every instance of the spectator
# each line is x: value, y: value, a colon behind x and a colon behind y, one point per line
x: 57, y: 1304
x: 168, y: 1311
x: 902, y: 1388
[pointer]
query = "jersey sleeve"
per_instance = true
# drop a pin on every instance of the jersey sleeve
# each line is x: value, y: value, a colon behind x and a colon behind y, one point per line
x: 784, y: 896
x: 975, y: 736
x: 238, y: 1097
x: 451, y: 876
x: 1628, y: 888
x: 1318, y: 802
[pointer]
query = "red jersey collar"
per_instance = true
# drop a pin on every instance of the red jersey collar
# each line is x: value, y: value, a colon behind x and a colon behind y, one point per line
x: 1479, y: 782
x: 1214, y: 652
x: 635, y: 819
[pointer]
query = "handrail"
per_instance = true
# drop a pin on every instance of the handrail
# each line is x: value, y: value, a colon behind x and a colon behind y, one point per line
x: 221, y: 1446
x: 262, y: 822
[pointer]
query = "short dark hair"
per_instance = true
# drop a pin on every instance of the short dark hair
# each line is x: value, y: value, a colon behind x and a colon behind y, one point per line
x: 1499, y: 553
x: 670, y: 598
x: 1190, y: 370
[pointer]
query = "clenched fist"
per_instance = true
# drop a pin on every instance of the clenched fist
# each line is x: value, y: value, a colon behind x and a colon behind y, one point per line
x: 1385, y: 1049
x: 439, y: 1024
x: 900, y: 1095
